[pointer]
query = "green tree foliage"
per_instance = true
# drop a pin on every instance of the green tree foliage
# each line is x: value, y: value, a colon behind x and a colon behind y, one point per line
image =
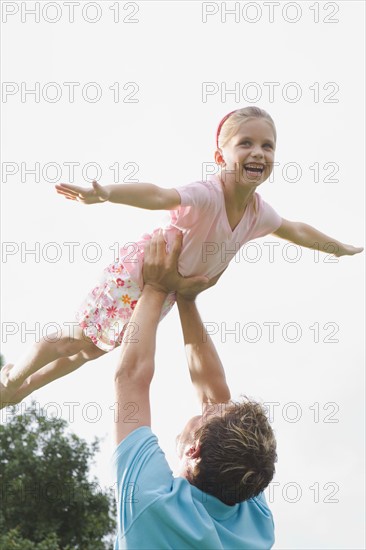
x: 14, y: 541
x: 48, y: 501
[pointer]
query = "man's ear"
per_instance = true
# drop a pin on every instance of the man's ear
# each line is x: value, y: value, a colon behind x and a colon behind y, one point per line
x: 194, y: 451
x: 219, y: 159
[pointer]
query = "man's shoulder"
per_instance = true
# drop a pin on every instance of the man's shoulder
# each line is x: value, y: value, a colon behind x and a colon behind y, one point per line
x: 136, y: 436
x: 135, y: 449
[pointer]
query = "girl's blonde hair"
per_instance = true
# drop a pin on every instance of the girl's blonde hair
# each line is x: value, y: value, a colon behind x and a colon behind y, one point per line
x: 230, y: 123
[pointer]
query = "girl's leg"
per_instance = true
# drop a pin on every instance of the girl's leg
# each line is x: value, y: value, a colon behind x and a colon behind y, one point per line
x: 42, y: 354
x: 52, y: 354
x: 55, y: 370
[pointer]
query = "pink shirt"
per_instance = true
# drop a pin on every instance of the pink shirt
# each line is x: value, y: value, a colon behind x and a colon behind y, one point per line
x: 209, y: 244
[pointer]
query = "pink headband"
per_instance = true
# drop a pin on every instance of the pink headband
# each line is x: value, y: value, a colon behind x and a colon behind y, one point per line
x: 220, y: 125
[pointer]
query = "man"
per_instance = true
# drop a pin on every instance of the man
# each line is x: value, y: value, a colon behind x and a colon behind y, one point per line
x: 227, y: 454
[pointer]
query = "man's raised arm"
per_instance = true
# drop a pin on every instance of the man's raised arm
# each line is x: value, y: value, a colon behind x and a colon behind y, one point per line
x: 135, y: 368
x: 205, y: 367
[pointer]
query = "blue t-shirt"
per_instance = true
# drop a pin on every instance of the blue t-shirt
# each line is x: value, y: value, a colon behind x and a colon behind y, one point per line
x: 157, y: 511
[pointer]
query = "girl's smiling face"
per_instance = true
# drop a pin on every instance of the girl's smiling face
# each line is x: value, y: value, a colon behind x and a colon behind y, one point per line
x: 249, y: 154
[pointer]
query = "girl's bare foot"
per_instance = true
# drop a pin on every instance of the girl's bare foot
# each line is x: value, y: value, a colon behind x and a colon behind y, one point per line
x: 7, y: 390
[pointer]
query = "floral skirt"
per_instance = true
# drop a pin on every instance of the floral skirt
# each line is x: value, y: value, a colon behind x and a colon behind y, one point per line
x: 107, y: 309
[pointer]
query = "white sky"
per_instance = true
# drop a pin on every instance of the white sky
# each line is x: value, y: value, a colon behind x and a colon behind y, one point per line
x: 168, y: 132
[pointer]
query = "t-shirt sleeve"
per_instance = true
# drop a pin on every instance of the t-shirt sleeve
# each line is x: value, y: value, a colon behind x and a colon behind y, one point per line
x: 268, y: 220
x: 195, y: 194
x: 142, y: 475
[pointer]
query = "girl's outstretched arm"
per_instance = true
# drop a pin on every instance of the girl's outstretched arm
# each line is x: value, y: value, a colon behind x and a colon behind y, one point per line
x: 306, y: 235
x: 141, y: 195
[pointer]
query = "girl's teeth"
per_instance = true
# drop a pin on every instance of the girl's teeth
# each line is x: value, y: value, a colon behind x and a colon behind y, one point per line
x: 252, y: 172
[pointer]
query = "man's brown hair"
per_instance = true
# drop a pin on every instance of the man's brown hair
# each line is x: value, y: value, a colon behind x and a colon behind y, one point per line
x: 237, y: 453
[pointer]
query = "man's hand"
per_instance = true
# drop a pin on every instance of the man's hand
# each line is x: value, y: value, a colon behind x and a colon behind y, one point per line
x: 93, y: 195
x: 161, y: 272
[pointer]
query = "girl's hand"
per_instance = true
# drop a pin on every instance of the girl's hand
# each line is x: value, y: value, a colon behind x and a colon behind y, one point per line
x: 87, y: 196
x: 348, y: 250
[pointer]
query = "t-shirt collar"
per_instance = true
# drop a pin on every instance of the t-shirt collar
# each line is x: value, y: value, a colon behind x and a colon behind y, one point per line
x: 214, y: 506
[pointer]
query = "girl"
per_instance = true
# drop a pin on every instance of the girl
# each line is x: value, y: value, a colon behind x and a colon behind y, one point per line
x: 216, y: 217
